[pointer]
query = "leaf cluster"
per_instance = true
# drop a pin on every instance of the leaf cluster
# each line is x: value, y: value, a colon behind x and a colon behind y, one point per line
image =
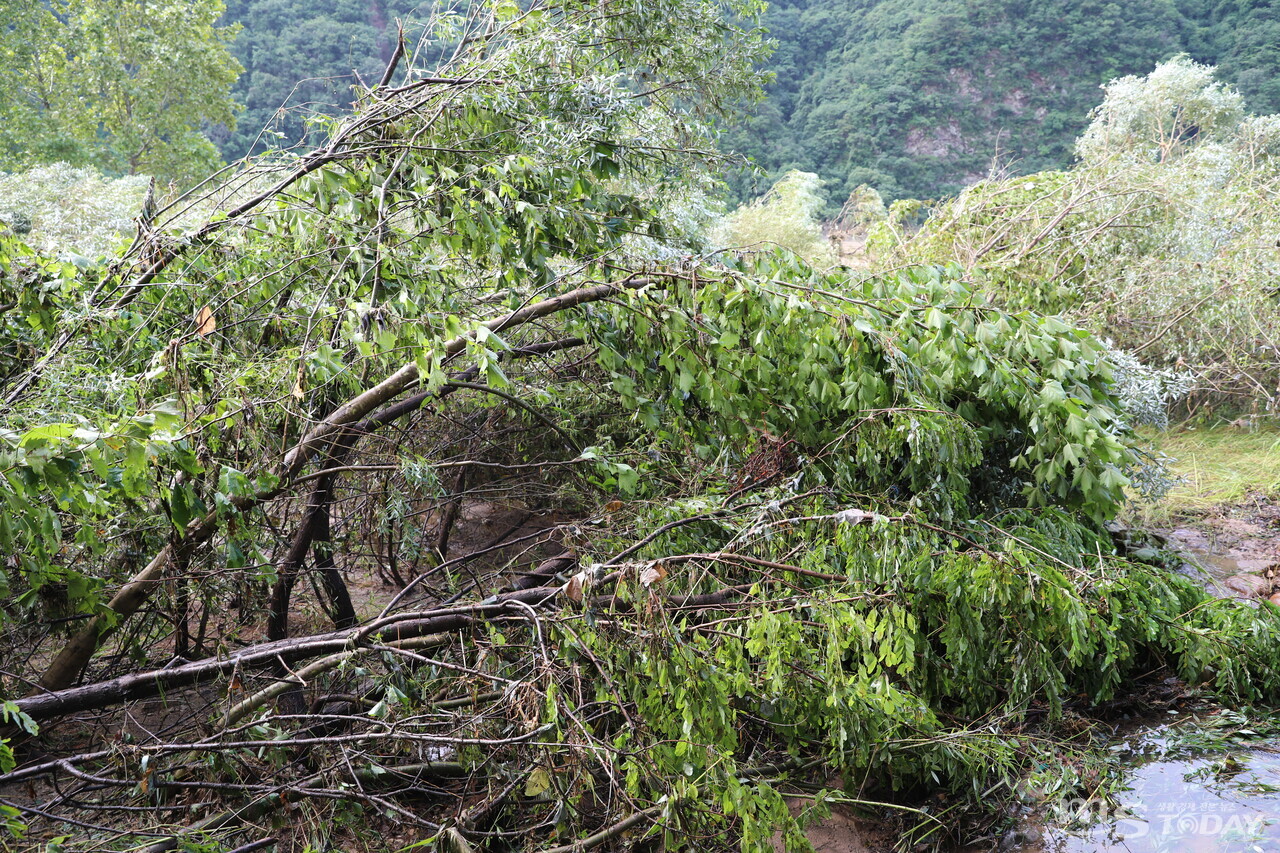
x: 908, y: 383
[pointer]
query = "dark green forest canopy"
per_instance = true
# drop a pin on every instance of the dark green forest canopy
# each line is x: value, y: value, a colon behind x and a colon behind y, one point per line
x: 921, y: 97
x: 915, y: 97
x: 299, y: 58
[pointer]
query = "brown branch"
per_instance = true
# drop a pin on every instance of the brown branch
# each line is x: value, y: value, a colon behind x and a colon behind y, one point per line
x: 610, y: 832
x: 54, y: 703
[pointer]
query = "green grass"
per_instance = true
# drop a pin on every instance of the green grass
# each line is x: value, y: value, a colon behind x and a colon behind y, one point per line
x: 1216, y: 466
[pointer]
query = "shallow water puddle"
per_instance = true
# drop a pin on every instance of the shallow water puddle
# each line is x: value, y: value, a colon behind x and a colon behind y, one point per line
x: 1177, y: 803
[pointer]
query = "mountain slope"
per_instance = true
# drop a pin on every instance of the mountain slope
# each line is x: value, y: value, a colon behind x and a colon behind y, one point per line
x: 919, y: 97
x: 299, y: 56
x: 915, y: 97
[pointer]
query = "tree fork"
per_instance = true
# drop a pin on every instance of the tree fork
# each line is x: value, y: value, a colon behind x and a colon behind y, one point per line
x: 314, y: 517
x: 75, y: 655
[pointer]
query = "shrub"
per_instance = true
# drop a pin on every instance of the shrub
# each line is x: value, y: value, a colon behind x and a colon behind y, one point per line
x: 786, y: 216
x: 1161, y: 238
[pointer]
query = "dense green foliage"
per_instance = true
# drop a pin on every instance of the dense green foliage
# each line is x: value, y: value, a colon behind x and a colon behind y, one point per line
x: 918, y: 97
x: 958, y: 406
x: 815, y: 527
x: 883, y: 666
x: 126, y: 86
x: 1242, y: 38
x: 787, y: 216
x: 64, y: 212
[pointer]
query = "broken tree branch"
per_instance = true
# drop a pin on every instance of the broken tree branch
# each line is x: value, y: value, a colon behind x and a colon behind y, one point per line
x: 74, y: 657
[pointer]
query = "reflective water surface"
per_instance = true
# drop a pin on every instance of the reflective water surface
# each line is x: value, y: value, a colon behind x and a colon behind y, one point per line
x: 1175, y: 802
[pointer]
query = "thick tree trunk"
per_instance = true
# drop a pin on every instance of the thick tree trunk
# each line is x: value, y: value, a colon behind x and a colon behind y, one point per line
x: 341, y: 610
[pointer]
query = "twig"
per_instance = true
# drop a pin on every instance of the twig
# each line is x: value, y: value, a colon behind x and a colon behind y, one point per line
x: 610, y: 832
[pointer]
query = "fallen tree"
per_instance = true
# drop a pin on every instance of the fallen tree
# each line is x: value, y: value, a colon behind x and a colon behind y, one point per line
x: 609, y: 542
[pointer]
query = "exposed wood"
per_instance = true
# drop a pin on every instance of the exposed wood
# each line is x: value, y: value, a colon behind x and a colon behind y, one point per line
x: 140, y: 685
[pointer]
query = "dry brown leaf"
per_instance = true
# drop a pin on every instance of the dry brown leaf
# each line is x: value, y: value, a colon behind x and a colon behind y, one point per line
x: 573, y: 589
x: 206, y: 325
x: 652, y: 573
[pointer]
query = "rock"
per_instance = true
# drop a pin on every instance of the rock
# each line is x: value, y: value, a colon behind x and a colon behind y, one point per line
x: 1242, y: 528
x: 1019, y: 838
x: 1247, y: 585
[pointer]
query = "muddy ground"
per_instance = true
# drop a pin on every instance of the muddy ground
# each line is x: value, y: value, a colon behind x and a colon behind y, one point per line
x: 1237, y: 546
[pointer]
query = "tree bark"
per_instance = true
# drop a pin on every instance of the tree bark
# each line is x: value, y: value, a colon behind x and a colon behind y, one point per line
x: 266, y: 655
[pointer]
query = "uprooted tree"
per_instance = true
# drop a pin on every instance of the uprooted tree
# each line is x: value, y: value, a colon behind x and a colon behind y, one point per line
x: 753, y: 530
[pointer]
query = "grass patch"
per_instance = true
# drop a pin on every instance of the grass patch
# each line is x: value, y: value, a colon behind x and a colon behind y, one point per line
x: 1215, y: 466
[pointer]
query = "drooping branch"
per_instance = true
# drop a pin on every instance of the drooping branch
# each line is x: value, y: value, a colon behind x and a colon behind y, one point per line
x: 409, y: 375
x: 156, y: 256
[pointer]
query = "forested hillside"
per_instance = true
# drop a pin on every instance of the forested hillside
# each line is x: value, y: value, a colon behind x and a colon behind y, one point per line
x: 921, y: 97
x: 915, y: 97
x: 299, y: 58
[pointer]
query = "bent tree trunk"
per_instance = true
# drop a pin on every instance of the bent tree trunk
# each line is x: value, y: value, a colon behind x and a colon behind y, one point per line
x: 357, y: 416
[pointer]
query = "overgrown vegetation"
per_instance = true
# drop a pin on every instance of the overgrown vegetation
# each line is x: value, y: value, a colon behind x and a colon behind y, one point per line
x: 1215, y: 466
x: 1161, y: 238
x: 61, y: 211
x: 777, y: 532
x: 124, y: 86
x: 788, y: 216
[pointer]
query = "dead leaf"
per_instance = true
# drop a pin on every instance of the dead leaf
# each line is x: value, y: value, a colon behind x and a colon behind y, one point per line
x: 613, y: 506
x: 538, y: 783
x: 574, y: 588
x: 652, y: 573
x: 206, y: 325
